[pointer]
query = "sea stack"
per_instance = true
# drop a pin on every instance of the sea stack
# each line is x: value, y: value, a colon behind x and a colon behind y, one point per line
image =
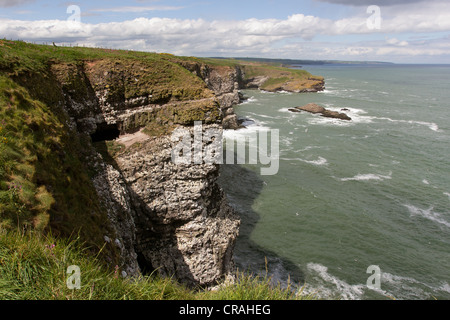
x: 315, y: 108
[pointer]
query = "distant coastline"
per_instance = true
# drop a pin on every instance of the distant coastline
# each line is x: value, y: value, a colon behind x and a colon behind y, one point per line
x: 296, y: 62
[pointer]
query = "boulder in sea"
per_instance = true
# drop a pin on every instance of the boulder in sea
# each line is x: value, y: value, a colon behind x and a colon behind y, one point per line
x: 315, y: 108
x: 335, y: 114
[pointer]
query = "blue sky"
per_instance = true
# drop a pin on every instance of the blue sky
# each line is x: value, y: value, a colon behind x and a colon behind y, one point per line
x: 95, y: 11
x: 407, y: 31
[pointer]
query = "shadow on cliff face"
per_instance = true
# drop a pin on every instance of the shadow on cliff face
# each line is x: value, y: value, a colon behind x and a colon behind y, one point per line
x: 242, y: 186
x: 142, y: 236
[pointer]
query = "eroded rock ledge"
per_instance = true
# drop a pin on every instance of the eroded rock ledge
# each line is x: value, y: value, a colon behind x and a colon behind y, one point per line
x: 166, y: 217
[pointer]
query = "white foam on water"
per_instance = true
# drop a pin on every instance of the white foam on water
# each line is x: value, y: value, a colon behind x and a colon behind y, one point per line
x: 321, y: 161
x: 431, y: 125
x: 357, y: 116
x: 368, y: 176
x: 267, y: 92
x: 252, y: 127
x: 286, y: 141
x: 445, y: 287
x: 447, y: 194
x: 338, y: 287
x: 425, y: 181
x: 428, y: 214
x: 284, y: 92
x: 252, y: 99
x: 328, y: 286
x: 308, y: 148
x: 319, y: 120
x: 410, y: 287
x: 285, y: 110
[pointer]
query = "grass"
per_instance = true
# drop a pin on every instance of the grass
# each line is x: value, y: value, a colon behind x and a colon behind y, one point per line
x: 281, y: 78
x: 43, y: 182
x: 34, y: 267
x: 46, y: 190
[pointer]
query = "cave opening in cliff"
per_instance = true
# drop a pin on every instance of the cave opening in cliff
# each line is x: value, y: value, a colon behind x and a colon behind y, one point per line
x: 145, y: 265
x: 105, y: 132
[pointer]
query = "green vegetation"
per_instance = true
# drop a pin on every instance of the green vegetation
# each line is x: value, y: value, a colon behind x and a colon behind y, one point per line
x: 43, y: 182
x: 46, y: 192
x: 281, y: 78
x: 34, y: 267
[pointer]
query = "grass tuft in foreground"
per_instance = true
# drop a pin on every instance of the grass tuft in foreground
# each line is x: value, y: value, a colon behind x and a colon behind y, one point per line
x: 34, y: 267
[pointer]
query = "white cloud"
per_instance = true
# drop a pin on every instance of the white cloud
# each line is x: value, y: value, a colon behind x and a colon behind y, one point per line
x: 396, y: 42
x: 371, y: 2
x: 137, y: 9
x: 271, y: 37
x: 13, y: 3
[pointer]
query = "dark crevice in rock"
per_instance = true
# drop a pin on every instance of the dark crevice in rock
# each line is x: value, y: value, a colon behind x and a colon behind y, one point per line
x: 105, y: 132
x: 144, y: 264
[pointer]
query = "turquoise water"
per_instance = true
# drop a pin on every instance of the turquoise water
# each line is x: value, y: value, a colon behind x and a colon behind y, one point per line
x: 349, y: 195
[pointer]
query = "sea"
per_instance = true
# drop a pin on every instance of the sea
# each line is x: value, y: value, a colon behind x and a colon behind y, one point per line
x: 360, y: 209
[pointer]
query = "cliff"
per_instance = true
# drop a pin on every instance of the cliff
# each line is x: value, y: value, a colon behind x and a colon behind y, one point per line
x: 89, y: 144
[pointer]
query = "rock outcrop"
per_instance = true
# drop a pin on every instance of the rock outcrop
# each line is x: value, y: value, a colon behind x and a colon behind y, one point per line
x: 225, y: 82
x: 314, y: 108
x: 172, y: 218
x: 274, y: 79
x: 336, y: 115
x: 184, y: 226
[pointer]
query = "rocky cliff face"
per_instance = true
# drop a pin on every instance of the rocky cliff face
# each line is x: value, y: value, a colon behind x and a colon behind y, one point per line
x: 225, y: 82
x: 168, y: 217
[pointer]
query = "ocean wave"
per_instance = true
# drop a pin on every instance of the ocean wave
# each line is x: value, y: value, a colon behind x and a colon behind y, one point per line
x: 427, y: 214
x: 433, y: 126
x: 286, y: 110
x: 411, y: 288
x: 339, y: 287
x: 328, y: 286
x: 276, y: 92
x: 249, y: 100
x: 284, y: 92
x: 251, y: 127
x: 318, y: 120
x: 358, y: 116
x: 368, y: 176
x: 308, y: 148
x: 262, y: 115
x: 319, y: 162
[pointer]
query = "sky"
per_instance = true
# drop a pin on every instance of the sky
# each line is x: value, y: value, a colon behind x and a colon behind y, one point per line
x: 400, y: 31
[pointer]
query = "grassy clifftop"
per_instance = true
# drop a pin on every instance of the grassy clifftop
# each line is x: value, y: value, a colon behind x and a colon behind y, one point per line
x: 281, y: 78
x: 45, y: 184
x: 272, y: 76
